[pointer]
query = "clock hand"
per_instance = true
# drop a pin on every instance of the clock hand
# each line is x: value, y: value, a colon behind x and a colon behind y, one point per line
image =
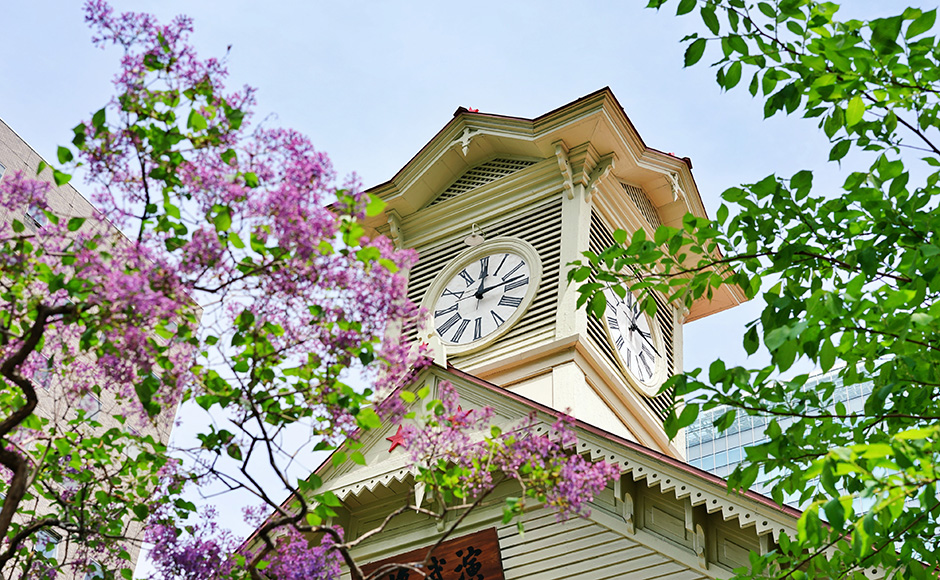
x: 483, y: 273
x: 633, y: 327
x: 488, y: 288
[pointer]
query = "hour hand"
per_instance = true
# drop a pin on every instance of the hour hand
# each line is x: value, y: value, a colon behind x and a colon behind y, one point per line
x: 503, y: 283
x: 642, y: 334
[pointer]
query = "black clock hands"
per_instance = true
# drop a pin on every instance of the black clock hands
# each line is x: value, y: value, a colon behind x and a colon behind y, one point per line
x: 479, y: 294
x: 484, y: 267
x: 633, y: 327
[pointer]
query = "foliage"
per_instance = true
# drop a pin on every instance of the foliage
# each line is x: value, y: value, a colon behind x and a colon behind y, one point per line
x: 849, y: 280
x: 222, y: 269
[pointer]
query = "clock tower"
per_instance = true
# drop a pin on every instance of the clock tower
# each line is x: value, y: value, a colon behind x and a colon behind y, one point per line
x: 497, y: 208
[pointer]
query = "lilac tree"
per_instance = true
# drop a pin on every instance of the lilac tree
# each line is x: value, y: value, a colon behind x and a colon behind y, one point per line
x: 223, y: 267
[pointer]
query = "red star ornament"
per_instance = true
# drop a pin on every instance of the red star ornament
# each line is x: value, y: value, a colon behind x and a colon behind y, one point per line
x: 397, y: 439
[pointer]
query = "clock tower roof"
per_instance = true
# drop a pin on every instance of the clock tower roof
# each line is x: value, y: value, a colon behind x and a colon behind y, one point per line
x: 594, y: 129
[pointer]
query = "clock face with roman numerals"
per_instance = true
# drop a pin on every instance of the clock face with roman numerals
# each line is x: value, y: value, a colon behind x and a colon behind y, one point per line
x: 479, y: 299
x: 635, y: 339
x: 482, y: 293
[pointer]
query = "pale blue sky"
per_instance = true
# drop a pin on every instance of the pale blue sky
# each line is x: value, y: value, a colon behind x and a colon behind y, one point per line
x: 372, y: 82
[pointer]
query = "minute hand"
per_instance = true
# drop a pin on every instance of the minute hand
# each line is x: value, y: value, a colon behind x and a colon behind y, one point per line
x: 488, y: 288
x: 643, y: 336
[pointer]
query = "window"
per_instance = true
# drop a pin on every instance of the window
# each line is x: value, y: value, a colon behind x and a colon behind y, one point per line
x: 35, y: 217
x: 94, y: 571
x: 90, y: 404
x: 43, y: 374
x: 47, y: 544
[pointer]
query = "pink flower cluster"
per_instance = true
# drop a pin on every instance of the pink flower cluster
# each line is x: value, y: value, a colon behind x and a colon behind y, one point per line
x: 203, y: 553
x: 547, y: 468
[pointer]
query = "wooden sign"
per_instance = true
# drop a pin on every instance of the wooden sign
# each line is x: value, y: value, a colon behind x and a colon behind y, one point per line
x: 472, y: 557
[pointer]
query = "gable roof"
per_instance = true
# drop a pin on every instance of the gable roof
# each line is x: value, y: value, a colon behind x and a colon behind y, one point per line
x: 388, y: 474
x: 594, y: 127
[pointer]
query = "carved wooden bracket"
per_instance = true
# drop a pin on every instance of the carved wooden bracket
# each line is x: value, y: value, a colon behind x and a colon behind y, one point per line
x: 561, y: 154
x: 394, y: 228
x: 603, y: 168
x: 628, y: 513
x: 463, y: 140
x: 698, y: 545
x: 676, y: 188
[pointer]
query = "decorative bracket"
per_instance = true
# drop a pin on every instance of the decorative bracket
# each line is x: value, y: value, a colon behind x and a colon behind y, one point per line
x: 603, y: 168
x: 467, y: 135
x: 394, y: 228
x: 561, y: 154
x: 698, y: 545
x: 628, y: 513
x: 436, y: 349
x: 676, y: 188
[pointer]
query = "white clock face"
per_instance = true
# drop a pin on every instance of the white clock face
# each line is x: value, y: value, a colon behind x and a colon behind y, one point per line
x: 637, y: 346
x: 481, y: 297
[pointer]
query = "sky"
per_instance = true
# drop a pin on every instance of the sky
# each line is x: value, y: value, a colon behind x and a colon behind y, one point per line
x: 372, y: 82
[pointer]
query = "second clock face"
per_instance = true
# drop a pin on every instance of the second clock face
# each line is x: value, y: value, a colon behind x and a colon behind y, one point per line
x: 481, y: 297
x: 637, y: 346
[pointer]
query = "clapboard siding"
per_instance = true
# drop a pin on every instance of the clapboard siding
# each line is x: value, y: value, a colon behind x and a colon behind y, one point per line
x: 580, y: 549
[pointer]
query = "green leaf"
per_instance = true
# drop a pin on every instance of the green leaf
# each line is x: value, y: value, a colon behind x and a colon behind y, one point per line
x: 375, y: 205
x: 229, y: 157
x: 751, y: 340
x: 710, y: 19
x: 839, y: 150
x: 854, y: 111
x: 694, y: 52
x: 98, y: 120
x: 685, y: 6
x: 75, y: 223
x: 689, y: 414
x: 64, y: 155
x: 733, y: 75
x: 60, y: 178
x: 223, y: 219
x: 196, y: 121
x: 827, y: 355
x: 368, y: 419
x: 835, y: 513
x: 921, y: 24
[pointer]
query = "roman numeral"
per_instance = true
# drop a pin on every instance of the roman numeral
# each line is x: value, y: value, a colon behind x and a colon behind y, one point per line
x: 501, y: 262
x: 477, y: 328
x: 510, y: 301
x: 484, y: 266
x: 448, y: 324
x: 496, y: 318
x: 646, y: 365
x: 516, y: 284
x: 619, y: 342
x: 467, y: 277
x: 458, y: 294
x: 445, y: 311
x: 463, y: 326
x: 513, y: 271
x: 612, y: 323
x: 646, y: 349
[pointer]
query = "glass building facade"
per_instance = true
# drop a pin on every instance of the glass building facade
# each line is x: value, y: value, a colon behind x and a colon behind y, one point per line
x: 719, y: 453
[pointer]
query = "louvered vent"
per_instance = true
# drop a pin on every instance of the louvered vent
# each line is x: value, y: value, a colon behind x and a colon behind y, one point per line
x: 541, y: 227
x: 480, y: 176
x: 643, y: 204
x: 601, y: 239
